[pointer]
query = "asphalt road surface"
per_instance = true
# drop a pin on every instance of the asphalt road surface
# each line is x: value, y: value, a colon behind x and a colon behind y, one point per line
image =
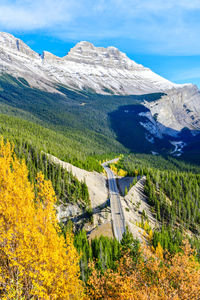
x: 118, y: 220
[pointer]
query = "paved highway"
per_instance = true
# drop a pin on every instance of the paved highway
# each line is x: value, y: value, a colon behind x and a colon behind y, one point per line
x: 118, y: 220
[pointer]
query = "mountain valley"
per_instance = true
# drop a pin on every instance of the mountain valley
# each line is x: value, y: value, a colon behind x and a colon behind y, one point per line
x: 96, y: 84
x: 71, y: 122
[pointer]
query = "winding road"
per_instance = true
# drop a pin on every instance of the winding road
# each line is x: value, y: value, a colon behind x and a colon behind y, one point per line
x: 118, y: 220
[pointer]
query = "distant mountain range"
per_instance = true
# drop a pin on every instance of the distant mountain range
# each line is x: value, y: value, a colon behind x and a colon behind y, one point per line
x: 108, y: 72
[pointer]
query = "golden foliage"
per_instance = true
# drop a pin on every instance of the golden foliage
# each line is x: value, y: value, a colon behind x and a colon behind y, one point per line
x: 159, y: 251
x: 150, y: 237
x: 113, y: 168
x: 119, y: 172
x: 122, y: 173
x: 152, y: 278
x: 136, y: 172
x: 35, y: 260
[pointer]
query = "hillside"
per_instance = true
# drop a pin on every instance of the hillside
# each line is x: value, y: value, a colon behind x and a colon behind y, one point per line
x: 94, y: 123
x: 168, y: 199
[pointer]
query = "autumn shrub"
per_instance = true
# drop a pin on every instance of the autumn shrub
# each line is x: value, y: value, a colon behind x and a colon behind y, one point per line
x: 175, y: 277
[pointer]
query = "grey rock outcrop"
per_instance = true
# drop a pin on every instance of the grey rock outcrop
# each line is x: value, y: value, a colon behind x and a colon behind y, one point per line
x: 177, y: 109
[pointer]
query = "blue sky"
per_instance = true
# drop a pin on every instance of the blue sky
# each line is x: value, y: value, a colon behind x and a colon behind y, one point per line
x: 162, y: 35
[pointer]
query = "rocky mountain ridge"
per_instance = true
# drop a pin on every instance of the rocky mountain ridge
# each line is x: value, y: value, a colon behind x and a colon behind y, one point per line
x: 104, y: 71
x: 85, y: 67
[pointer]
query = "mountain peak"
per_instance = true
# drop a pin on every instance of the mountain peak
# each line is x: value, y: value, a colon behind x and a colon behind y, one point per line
x: 11, y: 43
x: 7, y: 35
x: 8, y: 40
x: 48, y: 56
x: 86, y: 52
x: 85, y: 44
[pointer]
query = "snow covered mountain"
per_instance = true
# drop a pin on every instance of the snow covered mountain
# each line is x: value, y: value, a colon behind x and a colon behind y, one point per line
x: 100, y: 70
x: 104, y: 71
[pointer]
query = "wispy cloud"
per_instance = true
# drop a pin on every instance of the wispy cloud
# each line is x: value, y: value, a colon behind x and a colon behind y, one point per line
x: 167, y: 27
x: 186, y: 75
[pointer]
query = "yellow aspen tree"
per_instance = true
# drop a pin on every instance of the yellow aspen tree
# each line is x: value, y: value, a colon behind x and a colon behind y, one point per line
x: 159, y: 251
x: 122, y: 173
x: 150, y: 235
x: 35, y: 260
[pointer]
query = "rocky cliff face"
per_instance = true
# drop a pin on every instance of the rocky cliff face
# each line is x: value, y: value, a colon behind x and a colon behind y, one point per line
x: 177, y: 109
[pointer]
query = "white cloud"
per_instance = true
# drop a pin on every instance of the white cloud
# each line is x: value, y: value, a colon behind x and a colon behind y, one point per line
x: 30, y: 15
x: 167, y: 27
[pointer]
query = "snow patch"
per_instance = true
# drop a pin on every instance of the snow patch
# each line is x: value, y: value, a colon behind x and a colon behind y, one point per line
x: 178, y: 148
x: 154, y: 153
